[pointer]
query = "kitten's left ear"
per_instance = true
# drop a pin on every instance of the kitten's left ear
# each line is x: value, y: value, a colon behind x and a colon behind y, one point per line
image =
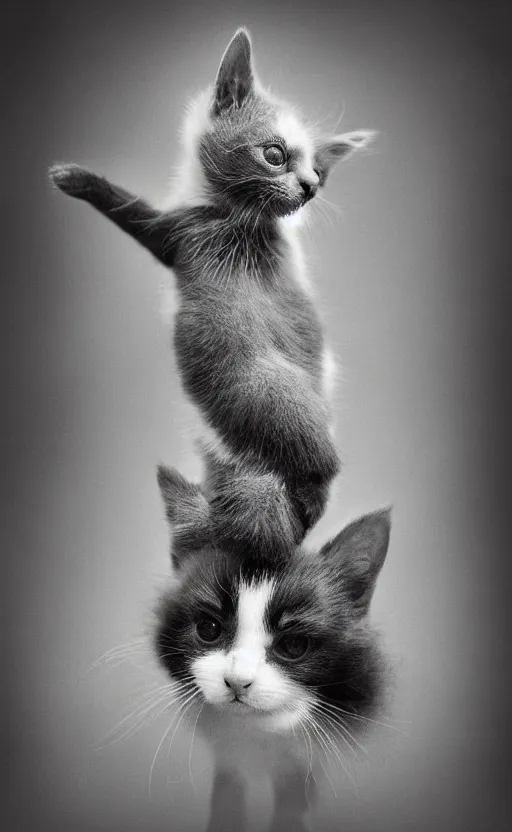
x: 187, y: 510
x: 235, y: 77
x: 357, y: 554
x: 332, y: 150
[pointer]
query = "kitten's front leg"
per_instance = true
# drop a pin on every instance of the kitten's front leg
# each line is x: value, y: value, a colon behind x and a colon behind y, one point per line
x: 227, y: 803
x: 294, y: 794
x: 149, y: 227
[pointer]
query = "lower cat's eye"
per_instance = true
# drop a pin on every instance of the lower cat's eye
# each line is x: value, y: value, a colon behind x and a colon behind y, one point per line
x: 208, y: 630
x: 274, y: 155
x: 291, y: 648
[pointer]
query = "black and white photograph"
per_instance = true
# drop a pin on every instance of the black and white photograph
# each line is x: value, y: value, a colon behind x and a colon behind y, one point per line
x: 256, y: 403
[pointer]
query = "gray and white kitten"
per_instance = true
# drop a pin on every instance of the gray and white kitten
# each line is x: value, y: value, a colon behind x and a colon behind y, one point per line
x: 248, y: 339
x: 274, y: 661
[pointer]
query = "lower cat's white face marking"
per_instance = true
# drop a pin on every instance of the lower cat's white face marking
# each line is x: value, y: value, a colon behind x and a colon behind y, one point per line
x: 261, y: 687
x: 251, y: 639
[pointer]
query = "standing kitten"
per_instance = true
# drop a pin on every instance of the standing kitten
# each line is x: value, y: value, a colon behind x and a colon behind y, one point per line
x: 273, y: 657
x: 248, y: 339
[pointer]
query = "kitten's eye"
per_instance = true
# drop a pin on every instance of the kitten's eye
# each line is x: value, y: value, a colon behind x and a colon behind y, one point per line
x: 274, y: 155
x: 208, y: 630
x: 292, y: 648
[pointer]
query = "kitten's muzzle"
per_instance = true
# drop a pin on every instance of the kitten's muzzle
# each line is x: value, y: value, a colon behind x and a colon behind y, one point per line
x: 237, y: 685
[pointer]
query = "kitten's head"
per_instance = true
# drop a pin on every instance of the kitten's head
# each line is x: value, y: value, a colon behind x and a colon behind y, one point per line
x: 279, y: 642
x: 255, y: 153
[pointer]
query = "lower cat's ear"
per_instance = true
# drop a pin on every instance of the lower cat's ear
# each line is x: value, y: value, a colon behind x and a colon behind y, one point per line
x: 187, y: 511
x: 357, y: 553
x: 334, y: 149
x: 235, y: 77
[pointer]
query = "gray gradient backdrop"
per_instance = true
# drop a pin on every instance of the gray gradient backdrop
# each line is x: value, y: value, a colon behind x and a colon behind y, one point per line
x: 411, y: 280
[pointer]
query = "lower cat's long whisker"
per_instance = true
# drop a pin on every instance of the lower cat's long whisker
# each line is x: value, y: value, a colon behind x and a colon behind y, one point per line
x: 184, y: 707
x: 359, y: 717
x: 309, y: 752
x: 317, y: 728
x: 192, y: 746
x: 340, y: 726
x: 140, y: 713
x: 320, y: 760
x: 120, y: 649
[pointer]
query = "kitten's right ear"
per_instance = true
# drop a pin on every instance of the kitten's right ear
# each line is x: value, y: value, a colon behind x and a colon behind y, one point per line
x: 357, y: 554
x: 235, y: 77
x: 333, y: 150
x: 187, y: 511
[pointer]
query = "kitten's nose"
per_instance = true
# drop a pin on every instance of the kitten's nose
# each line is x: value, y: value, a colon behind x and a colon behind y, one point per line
x: 309, y: 189
x: 237, y: 683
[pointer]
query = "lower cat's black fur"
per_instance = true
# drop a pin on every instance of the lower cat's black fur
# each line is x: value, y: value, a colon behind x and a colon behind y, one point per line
x: 326, y: 595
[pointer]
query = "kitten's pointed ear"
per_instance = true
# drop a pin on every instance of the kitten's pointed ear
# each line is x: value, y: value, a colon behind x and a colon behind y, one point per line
x: 339, y: 147
x: 187, y: 511
x: 235, y: 77
x: 357, y: 554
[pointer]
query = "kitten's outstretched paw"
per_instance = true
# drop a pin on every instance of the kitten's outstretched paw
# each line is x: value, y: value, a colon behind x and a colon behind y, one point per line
x: 72, y: 179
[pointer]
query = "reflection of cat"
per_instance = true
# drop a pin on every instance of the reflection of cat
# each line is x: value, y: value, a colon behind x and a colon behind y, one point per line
x: 271, y: 657
x: 248, y: 340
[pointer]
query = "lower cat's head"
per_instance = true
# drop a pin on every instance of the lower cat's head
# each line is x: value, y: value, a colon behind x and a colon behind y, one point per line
x: 280, y: 642
x: 252, y: 152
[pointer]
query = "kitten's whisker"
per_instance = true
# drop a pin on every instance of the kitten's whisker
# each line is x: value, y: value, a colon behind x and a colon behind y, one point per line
x: 140, y: 715
x: 308, y: 772
x: 323, y: 212
x: 325, y: 750
x: 150, y: 701
x: 170, y: 652
x: 114, y: 651
x: 336, y: 708
x: 340, y: 726
x: 309, y: 752
x: 184, y: 707
x: 192, y: 746
x: 339, y: 119
x: 167, y: 756
x: 319, y: 731
x: 152, y: 714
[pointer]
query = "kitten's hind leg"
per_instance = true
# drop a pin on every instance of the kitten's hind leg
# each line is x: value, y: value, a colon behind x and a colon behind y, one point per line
x: 149, y: 227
